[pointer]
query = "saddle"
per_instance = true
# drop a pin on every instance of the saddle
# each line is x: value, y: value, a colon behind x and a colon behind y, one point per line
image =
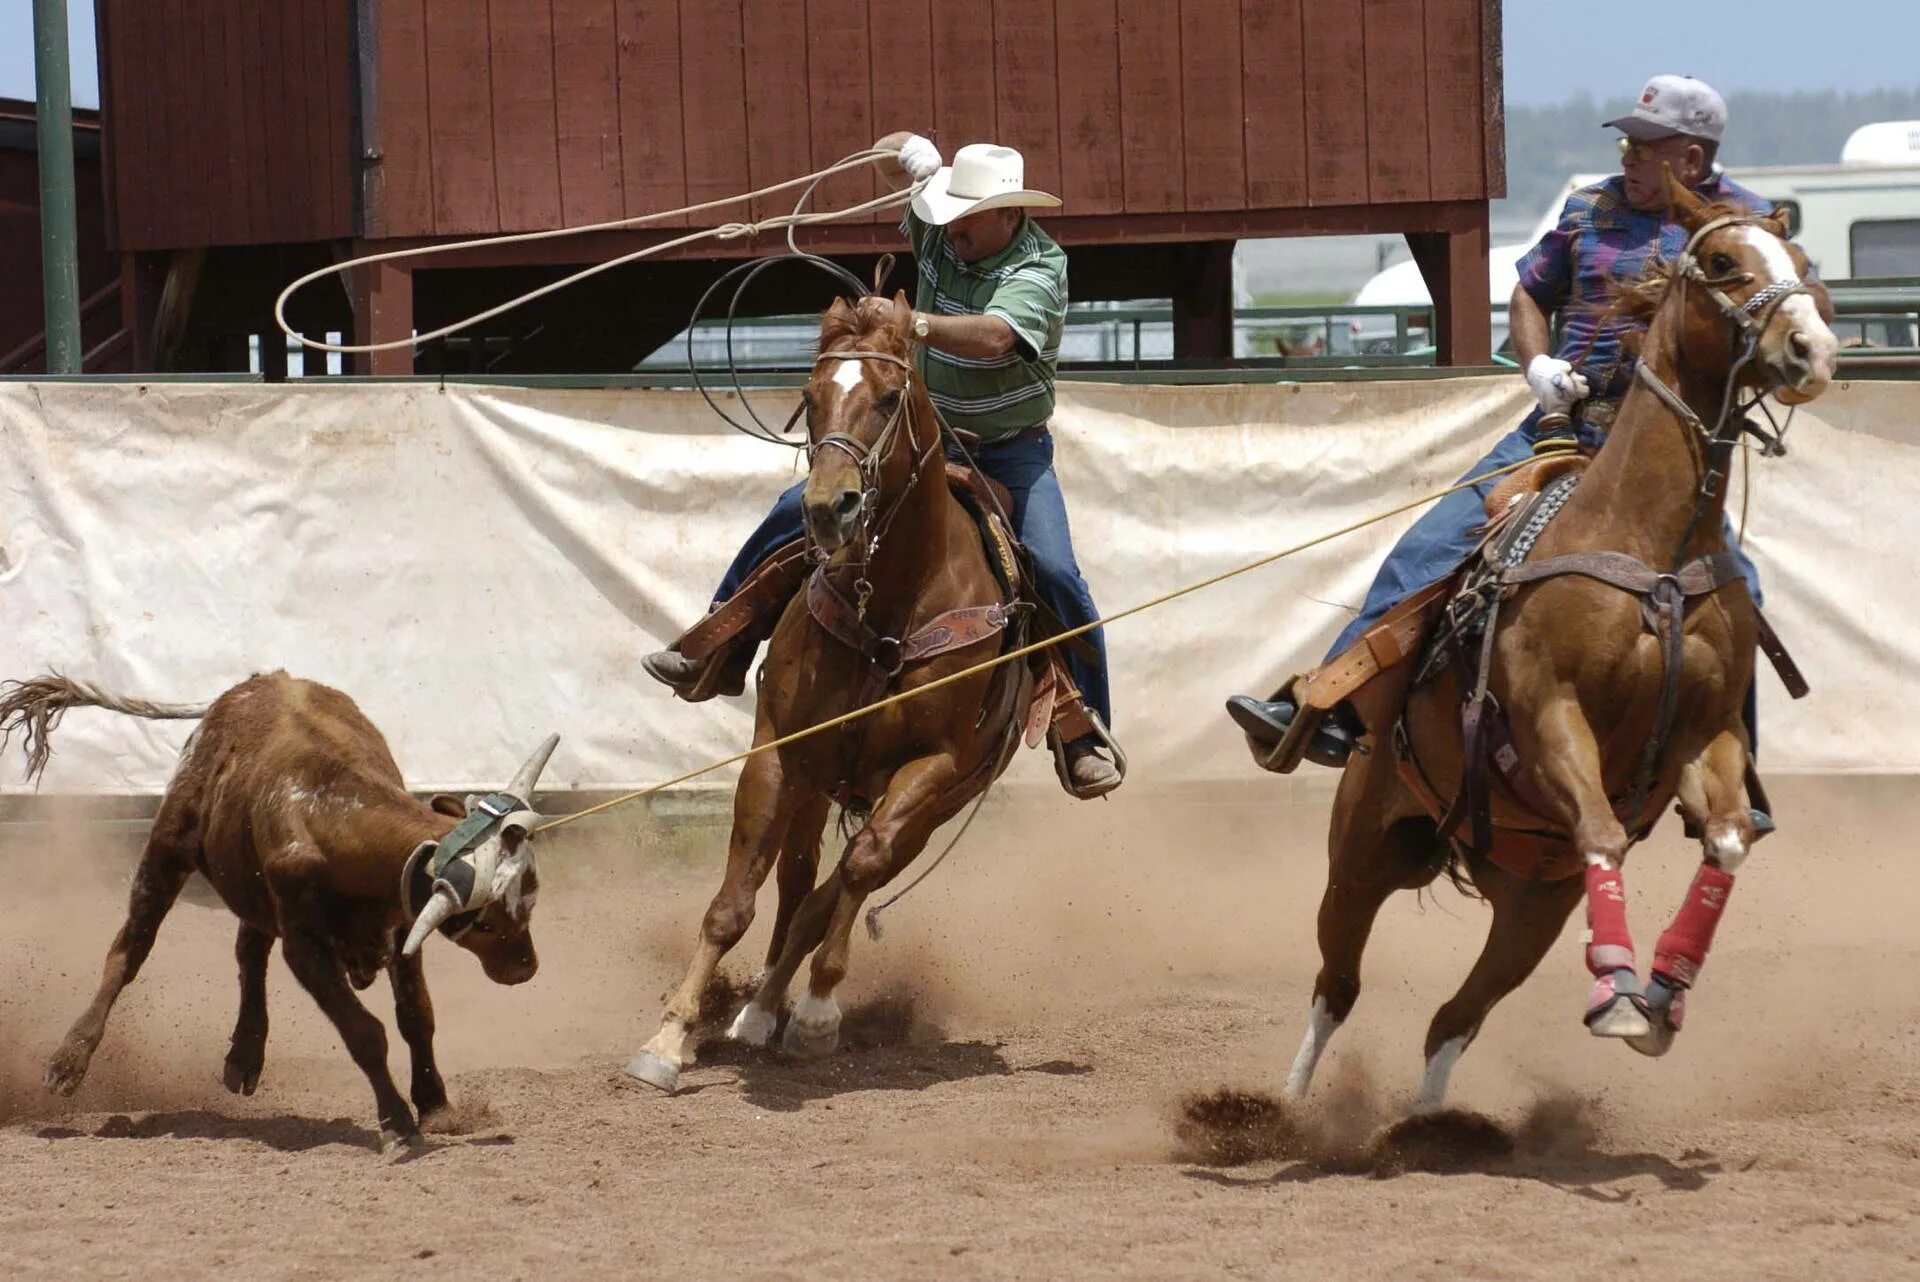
x: 1452, y: 623
x: 733, y: 631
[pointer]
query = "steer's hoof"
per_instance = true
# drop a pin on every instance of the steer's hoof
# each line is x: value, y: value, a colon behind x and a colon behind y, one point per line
x: 1620, y: 1017
x: 752, y: 1025
x: 241, y: 1076
x: 67, y: 1069
x: 655, y: 1070
x: 397, y: 1146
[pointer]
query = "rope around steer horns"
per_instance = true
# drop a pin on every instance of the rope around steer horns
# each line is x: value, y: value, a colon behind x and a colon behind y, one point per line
x: 560, y: 821
x: 726, y: 231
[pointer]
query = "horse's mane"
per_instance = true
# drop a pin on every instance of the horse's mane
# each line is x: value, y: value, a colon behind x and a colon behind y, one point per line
x: 867, y: 323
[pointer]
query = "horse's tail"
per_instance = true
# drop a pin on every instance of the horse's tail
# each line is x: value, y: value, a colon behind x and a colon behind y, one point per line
x: 34, y: 707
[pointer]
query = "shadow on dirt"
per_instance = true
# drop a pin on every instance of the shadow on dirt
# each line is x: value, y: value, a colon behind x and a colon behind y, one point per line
x: 888, y: 1043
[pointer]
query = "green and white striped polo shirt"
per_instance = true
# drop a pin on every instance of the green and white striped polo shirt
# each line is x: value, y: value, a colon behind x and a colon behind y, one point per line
x: 1025, y: 285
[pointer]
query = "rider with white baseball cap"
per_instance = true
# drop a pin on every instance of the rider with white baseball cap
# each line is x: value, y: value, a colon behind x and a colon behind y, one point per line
x: 1608, y: 235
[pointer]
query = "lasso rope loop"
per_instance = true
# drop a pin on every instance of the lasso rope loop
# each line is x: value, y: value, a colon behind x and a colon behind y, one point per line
x: 559, y: 821
x: 725, y: 231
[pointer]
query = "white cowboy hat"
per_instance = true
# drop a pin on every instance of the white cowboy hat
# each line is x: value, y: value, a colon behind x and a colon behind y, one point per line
x: 982, y: 176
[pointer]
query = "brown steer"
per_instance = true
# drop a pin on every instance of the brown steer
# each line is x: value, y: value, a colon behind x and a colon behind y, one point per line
x: 288, y: 801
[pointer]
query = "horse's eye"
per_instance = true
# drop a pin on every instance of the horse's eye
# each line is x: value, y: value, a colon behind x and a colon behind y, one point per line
x: 887, y: 403
x: 1720, y: 263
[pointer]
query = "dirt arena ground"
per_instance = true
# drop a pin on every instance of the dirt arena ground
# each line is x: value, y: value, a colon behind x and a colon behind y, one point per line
x: 1027, y: 1032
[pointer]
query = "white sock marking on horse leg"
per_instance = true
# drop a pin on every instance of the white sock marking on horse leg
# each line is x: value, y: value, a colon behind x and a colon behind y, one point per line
x: 816, y: 1014
x: 1433, y: 1083
x: 1320, y: 1029
x: 847, y: 374
x: 753, y: 1025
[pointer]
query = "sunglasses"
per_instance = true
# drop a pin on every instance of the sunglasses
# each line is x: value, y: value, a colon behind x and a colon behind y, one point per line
x: 1641, y: 152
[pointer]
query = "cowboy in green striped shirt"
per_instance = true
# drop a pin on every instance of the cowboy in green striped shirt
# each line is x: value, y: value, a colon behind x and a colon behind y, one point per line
x: 989, y: 306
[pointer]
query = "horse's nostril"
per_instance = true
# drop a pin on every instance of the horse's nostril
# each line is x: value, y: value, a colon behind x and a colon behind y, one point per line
x: 1799, y: 345
x: 847, y: 504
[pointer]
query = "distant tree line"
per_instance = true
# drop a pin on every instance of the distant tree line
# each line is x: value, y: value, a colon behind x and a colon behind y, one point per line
x: 1546, y: 145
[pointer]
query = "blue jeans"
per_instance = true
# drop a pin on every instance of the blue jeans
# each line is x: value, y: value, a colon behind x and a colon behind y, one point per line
x: 1441, y: 539
x: 1025, y: 466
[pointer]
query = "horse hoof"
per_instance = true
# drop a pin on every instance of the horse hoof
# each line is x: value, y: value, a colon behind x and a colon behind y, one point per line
x: 814, y: 1028
x: 752, y: 1025
x: 655, y: 1070
x: 1620, y: 1017
x: 1657, y: 1041
x: 1665, y: 1009
x: 804, y: 1043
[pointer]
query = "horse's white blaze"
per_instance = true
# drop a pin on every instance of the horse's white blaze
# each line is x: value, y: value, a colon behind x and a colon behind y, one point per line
x: 1433, y: 1083
x: 847, y: 374
x: 1772, y: 252
x: 1822, y: 343
x: 1320, y: 1029
x: 1800, y: 312
x: 1728, y: 851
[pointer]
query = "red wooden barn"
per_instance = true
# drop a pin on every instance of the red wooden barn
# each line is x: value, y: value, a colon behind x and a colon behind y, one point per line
x: 247, y: 140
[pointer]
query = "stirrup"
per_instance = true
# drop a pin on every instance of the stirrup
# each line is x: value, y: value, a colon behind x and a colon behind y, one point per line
x: 1058, y: 743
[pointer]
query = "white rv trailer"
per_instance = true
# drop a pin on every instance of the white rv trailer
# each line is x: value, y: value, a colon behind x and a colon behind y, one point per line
x: 1857, y: 219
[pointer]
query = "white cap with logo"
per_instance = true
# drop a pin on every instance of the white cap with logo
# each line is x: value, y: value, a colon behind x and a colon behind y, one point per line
x: 1672, y: 105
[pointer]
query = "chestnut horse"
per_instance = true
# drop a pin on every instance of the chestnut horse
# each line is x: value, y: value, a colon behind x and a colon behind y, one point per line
x: 1579, y: 677
x: 902, y: 596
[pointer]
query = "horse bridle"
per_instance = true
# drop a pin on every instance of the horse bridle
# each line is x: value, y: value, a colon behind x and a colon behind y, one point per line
x: 1750, y: 320
x: 869, y: 459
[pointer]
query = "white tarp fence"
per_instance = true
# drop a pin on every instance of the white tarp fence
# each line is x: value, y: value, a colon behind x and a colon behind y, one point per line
x: 477, y: 566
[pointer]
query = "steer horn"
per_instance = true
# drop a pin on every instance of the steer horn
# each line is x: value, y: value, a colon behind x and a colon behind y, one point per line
x: 442, y: 904
x: 529, y: 774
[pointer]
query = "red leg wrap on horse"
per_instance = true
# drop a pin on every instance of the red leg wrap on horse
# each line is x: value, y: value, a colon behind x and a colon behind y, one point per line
x: 1609, y: 946
x: 1683, y: 948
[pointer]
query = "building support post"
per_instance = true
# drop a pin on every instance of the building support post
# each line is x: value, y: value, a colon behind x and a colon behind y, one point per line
x: 59, y: 239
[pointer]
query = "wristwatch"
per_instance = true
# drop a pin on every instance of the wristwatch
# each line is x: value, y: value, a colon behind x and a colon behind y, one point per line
x: 920, y: 326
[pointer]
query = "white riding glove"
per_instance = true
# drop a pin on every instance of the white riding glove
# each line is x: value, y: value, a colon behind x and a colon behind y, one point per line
x: 1555, y: 383
x: 919, y: 157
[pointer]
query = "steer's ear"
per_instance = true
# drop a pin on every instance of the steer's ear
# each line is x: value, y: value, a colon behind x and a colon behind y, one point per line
x: 443, y: 804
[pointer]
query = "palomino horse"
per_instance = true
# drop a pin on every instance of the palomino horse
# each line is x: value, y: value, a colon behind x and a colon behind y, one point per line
x: 1581, y: 679
x: 902, y: 596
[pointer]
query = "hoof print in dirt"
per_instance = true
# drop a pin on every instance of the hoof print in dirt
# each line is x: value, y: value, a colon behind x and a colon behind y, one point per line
x: 1450, y: 1140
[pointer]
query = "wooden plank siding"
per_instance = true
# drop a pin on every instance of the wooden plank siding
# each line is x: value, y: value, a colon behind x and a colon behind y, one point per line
x: 235, y: 122
x: 586, y: 74
x: 1395, y: 38
x: 1150, y: 115
x: 214, y: 137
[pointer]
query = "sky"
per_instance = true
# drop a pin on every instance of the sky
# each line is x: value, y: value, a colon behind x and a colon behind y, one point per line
x: 1555, y: 49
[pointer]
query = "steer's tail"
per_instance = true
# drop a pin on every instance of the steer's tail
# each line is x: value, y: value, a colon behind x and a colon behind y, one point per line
x: 34, y: 707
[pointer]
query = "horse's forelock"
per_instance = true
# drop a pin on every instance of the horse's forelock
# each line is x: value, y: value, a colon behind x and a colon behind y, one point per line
x: 869, y: 323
